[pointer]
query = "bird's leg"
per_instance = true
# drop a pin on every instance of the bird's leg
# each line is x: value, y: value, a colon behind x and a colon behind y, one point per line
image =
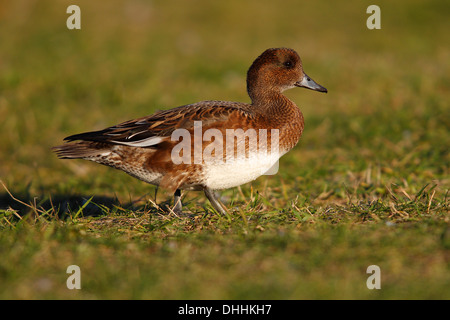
x: 178, y: 207
x: 219, y: 207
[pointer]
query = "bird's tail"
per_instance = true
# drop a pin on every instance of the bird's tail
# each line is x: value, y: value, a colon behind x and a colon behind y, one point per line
x: 80, y: 150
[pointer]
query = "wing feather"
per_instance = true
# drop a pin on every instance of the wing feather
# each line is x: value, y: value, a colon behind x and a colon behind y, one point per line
x: 151, y: 130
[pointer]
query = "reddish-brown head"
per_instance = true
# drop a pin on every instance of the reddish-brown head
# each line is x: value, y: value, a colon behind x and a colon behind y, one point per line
x: 276, y: 70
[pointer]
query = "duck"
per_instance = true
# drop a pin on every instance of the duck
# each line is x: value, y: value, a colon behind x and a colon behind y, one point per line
x: 209, y: 145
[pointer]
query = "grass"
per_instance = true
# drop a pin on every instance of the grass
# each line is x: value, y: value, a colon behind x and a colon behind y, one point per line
x: 367, y: 184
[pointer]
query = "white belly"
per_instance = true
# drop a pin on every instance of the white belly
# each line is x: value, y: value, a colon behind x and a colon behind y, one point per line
x: 239, y: 171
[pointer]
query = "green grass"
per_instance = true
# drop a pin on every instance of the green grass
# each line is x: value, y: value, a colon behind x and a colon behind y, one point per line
x: 367, y: 184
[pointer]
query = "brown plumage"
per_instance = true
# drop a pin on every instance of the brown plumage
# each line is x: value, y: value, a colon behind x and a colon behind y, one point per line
x: 143, y: 147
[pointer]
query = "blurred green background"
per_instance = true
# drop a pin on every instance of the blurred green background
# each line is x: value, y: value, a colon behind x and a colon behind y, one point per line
x: 380, y: 134
x: 387, y: 88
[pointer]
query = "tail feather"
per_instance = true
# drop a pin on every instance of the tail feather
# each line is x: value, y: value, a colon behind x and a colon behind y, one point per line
x: 80, y: 150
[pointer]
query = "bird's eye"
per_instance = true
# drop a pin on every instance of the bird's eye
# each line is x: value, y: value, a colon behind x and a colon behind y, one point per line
x: 288, y: 64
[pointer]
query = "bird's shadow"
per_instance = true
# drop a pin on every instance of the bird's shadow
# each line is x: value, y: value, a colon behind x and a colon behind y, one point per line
x: 63, y: 206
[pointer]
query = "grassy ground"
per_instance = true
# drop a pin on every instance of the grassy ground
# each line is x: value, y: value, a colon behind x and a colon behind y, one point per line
x: 367, y: 185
